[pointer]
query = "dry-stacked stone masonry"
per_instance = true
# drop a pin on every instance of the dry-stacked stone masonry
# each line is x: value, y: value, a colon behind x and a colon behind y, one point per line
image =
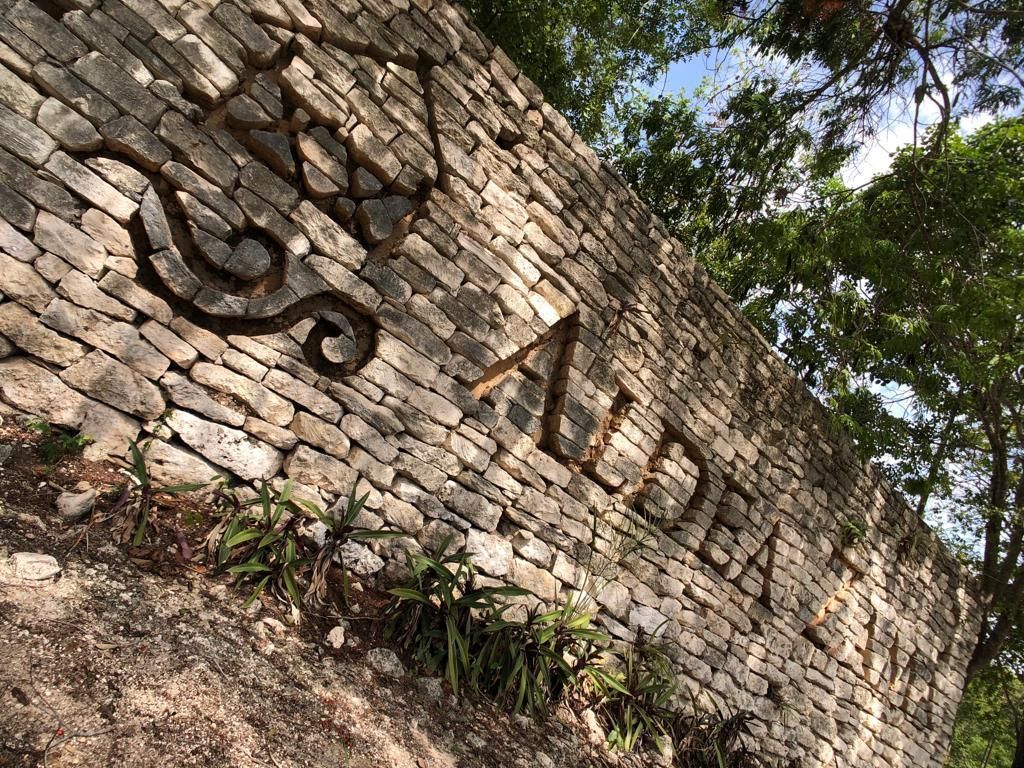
x: 341, y: 240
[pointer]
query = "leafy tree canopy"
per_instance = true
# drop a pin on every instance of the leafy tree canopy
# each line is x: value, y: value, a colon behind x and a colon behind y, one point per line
x: 821, y: 77
x: 903, y: 305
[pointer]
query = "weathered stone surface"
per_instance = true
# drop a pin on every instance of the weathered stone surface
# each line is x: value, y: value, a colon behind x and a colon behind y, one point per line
x: 75, y: 247
x: 91, y: 187
x: 23, y: 139
x: 134, y: 295
x: 17, y: 95
x: 170, y: 344
x: 130, y: 137
x: 185, y: 394
x: 16, y: 244
x: 279, y: 437
x: 116, y: 85
x: 24, y: 329
x: 314, y: 468
x: 64, y: 85
x: 260, y: 48
x: 303, y: 394
x: 248, y: 260
x: 32, y: 388
x: 370, y: 153
x: 188, y: 181
x: 320, y: 434
x: 197, y: 149
x: 74, y: 132
x: 172, y: 465
x: 492, y: 553
x: 46, y: 32
x: 23, y: 284
x: 75, y: 506
x: 208, y: 344
x: 266, y: 217
x: 124, y: 178
x: 229, y: 448
x: 266, y: 404
x: 270, y: 187
x: 108, y: 233
x: 385, y: 661
x: 327, y: 237
x: 109, y: 430
x: 119, y: 339
x: 274, y: 150
x: 83, y: 291
x: 33, y: 566
x: 471, y: 506
x: 114, y: 383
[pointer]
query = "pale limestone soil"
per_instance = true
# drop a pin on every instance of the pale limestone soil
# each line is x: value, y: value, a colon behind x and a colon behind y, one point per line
x: 111, y: 665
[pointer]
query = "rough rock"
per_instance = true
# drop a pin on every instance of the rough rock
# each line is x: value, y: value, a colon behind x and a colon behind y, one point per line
x: 75, y: 506
x: 385, y: 661
x: 114, y: 383
x: 33, y: 566
x: 226, y: 447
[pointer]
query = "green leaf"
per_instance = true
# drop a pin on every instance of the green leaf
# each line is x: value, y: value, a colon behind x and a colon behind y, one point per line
x: 249, y: 567
x: 260, y: 586
x: 177, y: 489
x: 409, y: 594
x: 241, y: 537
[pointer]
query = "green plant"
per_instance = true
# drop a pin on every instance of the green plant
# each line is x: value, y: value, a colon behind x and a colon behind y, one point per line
x: 853, y: 531
x: 261, y: 546
x: 530, y: 665
x: 434, y: 615
x: 340, y: 531
x: 917, y: 545
x: 134, y: 506
x: 637, y: 711
x: 712, y: 739
x: 56, y: 444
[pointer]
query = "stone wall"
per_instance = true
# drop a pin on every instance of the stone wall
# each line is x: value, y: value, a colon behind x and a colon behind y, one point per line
x: 341, y: 240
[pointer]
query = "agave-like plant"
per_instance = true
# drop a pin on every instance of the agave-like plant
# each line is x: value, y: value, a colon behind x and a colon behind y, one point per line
x: 713, y: 739
x: 531, y: 664
x: 341, y: 529
x: 262, y: 547
x: 436, y: 614
x: 133, y: 508
x: 637, y: 711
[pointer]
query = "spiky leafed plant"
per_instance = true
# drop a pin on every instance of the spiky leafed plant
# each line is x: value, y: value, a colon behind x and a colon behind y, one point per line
x: 134, y: 505
x: 262, y: 547
x: 638, y: 711
x: 341, y: 529
x: 435, y: 615
x: 530, y: 665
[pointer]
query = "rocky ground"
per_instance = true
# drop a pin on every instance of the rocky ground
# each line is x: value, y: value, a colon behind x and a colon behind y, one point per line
x: 128, y: 657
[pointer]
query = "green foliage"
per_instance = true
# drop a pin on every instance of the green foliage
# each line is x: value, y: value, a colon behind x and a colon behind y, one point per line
x: 637, y: 710
x: 257, y: 542
x: 56, y: 444
x: 585, y: 54
x: 853, y: 531
x: 531, y: 664
x: 713, y: 739
x: 138, y: 499
x: 796, y: 88
x: 453, y: 627
x: 434, y: 615
x: 903, y: 305
x: 984, y: 735
x: 340, y: 531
